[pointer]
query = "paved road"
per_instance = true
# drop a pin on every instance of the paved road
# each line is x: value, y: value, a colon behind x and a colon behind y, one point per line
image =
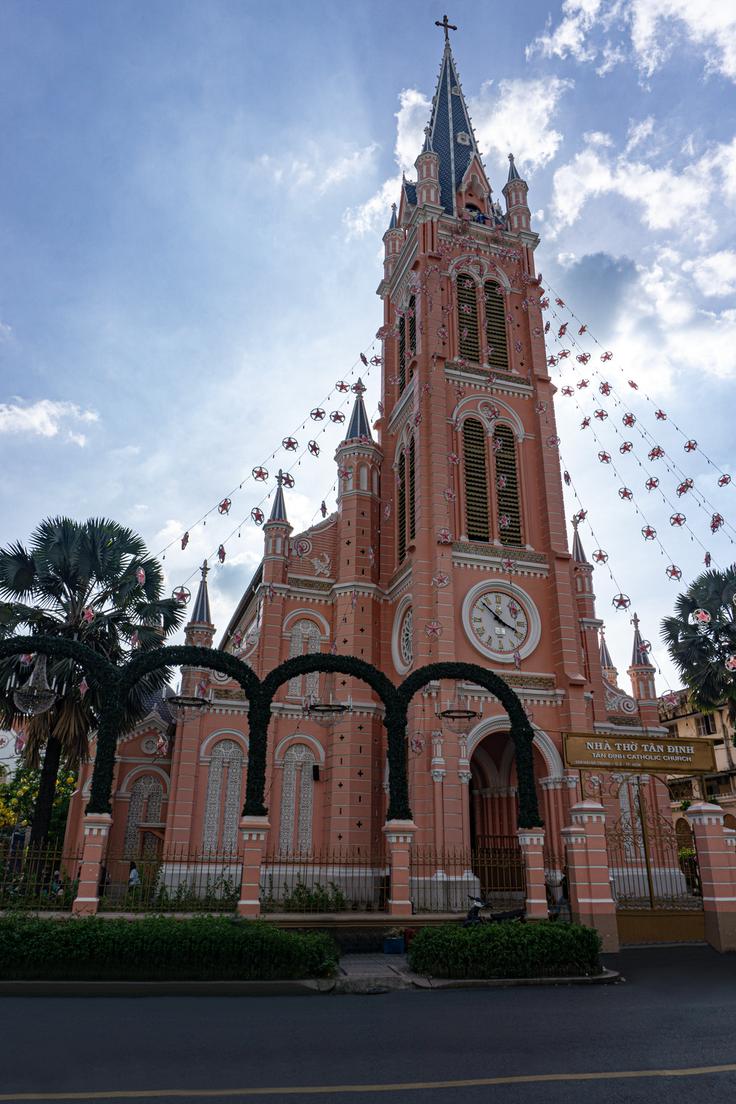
x: 676, y: 1010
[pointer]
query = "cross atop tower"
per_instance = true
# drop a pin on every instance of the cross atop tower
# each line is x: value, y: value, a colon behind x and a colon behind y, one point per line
x: 446, y: 25
x: 205, y: 569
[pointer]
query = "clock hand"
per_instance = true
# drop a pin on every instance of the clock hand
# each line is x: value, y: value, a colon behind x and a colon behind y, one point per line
x: 499, y: 619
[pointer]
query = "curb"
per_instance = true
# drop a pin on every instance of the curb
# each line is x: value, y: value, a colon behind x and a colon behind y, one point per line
x: 305, y: 987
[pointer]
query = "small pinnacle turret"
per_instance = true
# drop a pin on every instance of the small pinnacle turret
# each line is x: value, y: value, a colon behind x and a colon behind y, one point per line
x: 201, y: 609
x: 640, y: 651
x: 513, y: 171
x: 607, y: 665
x: 278, y: 510
x: 393, y: 223
x: 359, y: 427
x: 578, y: 552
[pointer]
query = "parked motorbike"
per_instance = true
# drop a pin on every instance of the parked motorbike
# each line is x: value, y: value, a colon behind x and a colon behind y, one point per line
x: 475, y: 915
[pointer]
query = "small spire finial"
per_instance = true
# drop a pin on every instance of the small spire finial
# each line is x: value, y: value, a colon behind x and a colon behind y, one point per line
x: 635, y: 622
x: 447, y: 26
x: 280, y: 478
x: 205, y: 569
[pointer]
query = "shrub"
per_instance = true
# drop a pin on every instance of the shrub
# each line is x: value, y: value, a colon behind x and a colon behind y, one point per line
x: 507, y: 950
x: 159, y: 948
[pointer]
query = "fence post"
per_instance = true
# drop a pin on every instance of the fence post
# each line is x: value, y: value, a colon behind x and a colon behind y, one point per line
x: 589, y: 884
x: 254, y: 830
x: 399, y: 838
x: 716, y: 850
x: 96, y: 831
x: 531, y: 842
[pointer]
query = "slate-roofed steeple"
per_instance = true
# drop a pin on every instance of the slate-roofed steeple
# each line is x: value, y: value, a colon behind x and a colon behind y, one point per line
x: 450, y: 131
x: 606, y: 661
x: 578, y: 552
x: 201, y: 609
x: 513, y: 171
x: 640, y: 651
x: 359, y: 426
x: 393, y: 224
x: 278, y: 510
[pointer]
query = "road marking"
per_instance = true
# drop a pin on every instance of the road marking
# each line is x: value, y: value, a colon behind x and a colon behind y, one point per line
x: 398, y: 1086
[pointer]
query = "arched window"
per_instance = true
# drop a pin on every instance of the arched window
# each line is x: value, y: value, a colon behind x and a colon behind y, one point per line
x: 297, y: 800
x: 407, y: 341
x: 224, y: 800
x: 498, y: 353
x: 146, y: 796
x: 412, y: 490
x: 363, y: 477
x: 412, y: 316
x: 467, y: 319
x: 507, y: 485
x: 476, y: 480
x: 401, y: 511
x: 305, y: 639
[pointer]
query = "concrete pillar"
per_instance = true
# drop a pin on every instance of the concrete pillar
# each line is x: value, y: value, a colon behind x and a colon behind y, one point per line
x: 399, y: 838
x: 531, y: 841
x: 591, y: 902
x: 96, y: 831
x: 254, y: 831
x: 716, y: 850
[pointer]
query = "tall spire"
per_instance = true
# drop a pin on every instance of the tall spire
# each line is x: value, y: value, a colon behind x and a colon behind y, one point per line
x: 606, y: 661
x: 201, y: 610
x: 359, y: 426
x: 640, y: 652
x: 450, y: 130
x: 278, y: 510
x: 513, y: 171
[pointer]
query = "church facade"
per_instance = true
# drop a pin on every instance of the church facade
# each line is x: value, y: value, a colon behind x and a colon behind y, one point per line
x: 449, y: 542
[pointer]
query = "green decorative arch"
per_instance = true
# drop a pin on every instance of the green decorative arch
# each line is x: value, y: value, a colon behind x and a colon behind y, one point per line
x: 522, y: 732
x: 398, y: 805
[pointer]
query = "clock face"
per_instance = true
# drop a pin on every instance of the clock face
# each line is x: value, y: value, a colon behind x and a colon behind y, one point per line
x: 499, y: 622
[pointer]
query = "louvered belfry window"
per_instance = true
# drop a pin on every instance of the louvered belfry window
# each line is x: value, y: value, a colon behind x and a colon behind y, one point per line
x: 402, y: 353
x: 401, y: 512
x: 476, y: 480
x: 467, y: 319
x: 498, y: 352
x: 412, y: 490
x: 507, y: 486
x: 412, y: 331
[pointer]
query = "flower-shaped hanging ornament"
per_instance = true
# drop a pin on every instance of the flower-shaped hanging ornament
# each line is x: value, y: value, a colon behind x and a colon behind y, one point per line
x: 621, y: 601
x: 649, y: 533
x: 313, y: 448
x: 625, y: 493
x: 260, y: 474
x: 221, y: 553
x: 606, y: 356
x: 184, y: 541
x: 730, y: 663
x: 716, y: 523
x: 140, y: 576
x: 290, y: 444
x: 724, y: 480
x: 224, y: 506
x: 182, y: 595
x: 700, y: 617
x: 88, y: 615
x: 287, y: 480
x: 652, y: 483
x: 672, y: 571
x: 677, y: 520
x: 342, y: 386
x: 625, y: 447
x: 600, y: 556
x: 337, y: 416
x: 691, y: 445
x: 317, y: 415
x: 257, y: 515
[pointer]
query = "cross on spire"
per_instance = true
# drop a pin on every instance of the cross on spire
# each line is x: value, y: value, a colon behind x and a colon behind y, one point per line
x: 447, y: 26
x: 205, y: 569
x: 635, y: 622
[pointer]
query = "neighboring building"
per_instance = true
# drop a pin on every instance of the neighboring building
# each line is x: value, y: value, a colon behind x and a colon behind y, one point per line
x: 449, y: 543
x: 683, y: 721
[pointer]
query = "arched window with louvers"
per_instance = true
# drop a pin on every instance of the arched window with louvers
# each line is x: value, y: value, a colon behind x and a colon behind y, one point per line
x: 224, y: 797
x: 496, y: 338
x: 297, y: 800
x: 407, y: 341
x: 467, y: 319
x: 401, y: 508
x: 475, y: 472
x: 305, y: 639
x: 508, y: 499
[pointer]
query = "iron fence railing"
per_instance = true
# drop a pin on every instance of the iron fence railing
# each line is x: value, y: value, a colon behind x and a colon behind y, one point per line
x: 443, y: 880
x: 38, y: 878
x: 647, y: 868
x: 323, y: 881
x: 180, y: 879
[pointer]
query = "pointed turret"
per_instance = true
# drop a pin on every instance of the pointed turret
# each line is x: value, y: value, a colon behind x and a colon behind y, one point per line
x: 578, y: 552
x: 641, y: 673
x: 513, y: 171
x: 199, y: 629
x: 393, y: 224
x: 608, y: 667
x: 516, y: 190
x: 393, y: 240
x: 428, y: 167
x: 278, y: 510
x: 359, y: 428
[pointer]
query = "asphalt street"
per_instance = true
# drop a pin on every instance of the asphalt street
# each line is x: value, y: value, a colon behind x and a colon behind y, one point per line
x: 675, y: 1011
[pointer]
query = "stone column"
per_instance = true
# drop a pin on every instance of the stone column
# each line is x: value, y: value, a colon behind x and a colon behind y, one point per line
x: 716, y: 849
x: 531, y: 841
x: 254, y: 831
x: 399, y: 838
x: 591, y: 902
x: 96, y: 831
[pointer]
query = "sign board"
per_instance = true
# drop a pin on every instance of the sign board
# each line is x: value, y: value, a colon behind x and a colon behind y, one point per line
x: 641, y: 754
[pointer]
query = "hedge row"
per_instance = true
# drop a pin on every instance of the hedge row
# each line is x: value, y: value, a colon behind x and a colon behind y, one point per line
x: 507, y: 950
x: 158, y: 947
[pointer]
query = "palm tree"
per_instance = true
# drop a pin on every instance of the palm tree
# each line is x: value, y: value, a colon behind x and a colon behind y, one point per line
x: 701, y: 649
x: 89, y: 581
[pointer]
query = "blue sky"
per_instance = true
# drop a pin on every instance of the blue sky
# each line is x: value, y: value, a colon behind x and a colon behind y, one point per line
x: 191, y: 209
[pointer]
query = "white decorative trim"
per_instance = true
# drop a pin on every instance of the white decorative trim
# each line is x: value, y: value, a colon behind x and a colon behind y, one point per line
x: 294, y: 615
x: 469, y: 407
x: 542, y: 741
x: 205, y: 753
x: 512, y: 590
x: 141, y: 771
x: 297, y: 738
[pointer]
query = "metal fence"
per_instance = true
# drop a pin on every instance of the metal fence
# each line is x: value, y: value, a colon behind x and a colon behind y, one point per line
x: 647, y: 868
x: 39, y: 878
x: 178, y: 880
x: 443, y: 880
x: 328, y: 880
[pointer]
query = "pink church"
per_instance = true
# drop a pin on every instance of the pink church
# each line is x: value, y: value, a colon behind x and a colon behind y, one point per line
x: 449, y: 543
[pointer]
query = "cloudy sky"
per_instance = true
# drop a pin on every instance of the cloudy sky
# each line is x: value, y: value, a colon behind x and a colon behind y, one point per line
x: 191, y: 209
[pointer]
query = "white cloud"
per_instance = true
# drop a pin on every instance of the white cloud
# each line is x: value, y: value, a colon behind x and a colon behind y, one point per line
x: 6, y: 332
x: 653, y: 27
x: 665, y: 197
x: 315, y: 169
x: 348, y: 167
x: 725, y: 160
x: 45, y: 418
x: 639, y: 132
x: 516, y: 118
x: 714, y: 275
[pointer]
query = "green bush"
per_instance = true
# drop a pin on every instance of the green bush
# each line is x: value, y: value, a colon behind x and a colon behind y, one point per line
x: 507, y: 950
x: 159, y: 948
